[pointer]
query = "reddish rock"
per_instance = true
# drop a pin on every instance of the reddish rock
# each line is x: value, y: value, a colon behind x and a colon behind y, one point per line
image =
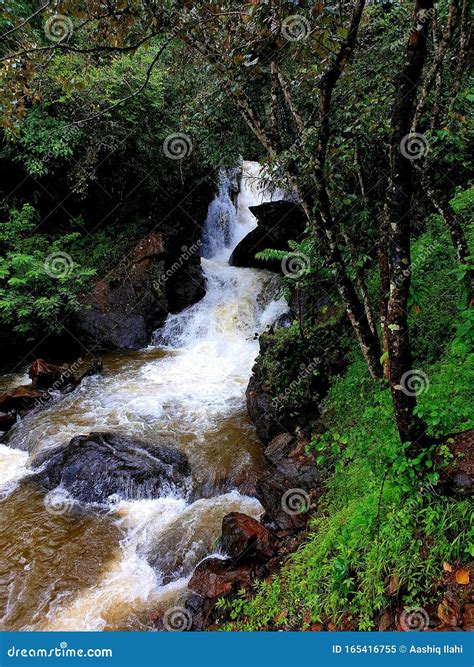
x: 46, y: 376
x: 214, y: 577
x: 244, y: 538
x: 21, y: 399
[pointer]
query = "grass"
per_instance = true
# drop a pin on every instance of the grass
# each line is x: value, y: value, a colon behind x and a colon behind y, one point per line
x: 383, y: 518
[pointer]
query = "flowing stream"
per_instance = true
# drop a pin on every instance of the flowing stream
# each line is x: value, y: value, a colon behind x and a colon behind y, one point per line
x: 86, y: 569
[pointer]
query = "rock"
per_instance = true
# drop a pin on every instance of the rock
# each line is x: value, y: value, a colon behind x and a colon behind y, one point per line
x: 46, y: 380
x: 7, y: 419
x: 279, y: 447
x: 285, y: 489
x: 21, y: 399
x: 457, y: 478
x: 214, y: 577
x: 468, y: 617
x: 45, y: 376
x: 263, y: 411
x: 159, y: 276
x: 93, y: 467
x: 278, y: 222
x: 245, y: 539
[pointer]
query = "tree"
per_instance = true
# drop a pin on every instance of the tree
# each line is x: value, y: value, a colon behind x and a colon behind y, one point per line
x: 398, y: 225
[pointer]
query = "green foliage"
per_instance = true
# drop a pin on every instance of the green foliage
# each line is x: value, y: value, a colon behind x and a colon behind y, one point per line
x: 383, y: 518
x: 375, y: 522
x: 40, y: 281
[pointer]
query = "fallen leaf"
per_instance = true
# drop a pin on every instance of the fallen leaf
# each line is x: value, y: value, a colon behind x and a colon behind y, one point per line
x: 462, y: 577
x: 447, y: 567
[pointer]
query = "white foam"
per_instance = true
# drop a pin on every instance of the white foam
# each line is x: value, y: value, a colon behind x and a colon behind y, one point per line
x: 12, y: 468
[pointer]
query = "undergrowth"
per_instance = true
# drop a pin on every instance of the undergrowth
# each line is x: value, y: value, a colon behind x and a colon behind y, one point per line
x: 383, y: 518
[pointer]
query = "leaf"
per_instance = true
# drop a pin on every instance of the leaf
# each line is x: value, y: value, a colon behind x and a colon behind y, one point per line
x: 447, y: 567
x: 462, y: 577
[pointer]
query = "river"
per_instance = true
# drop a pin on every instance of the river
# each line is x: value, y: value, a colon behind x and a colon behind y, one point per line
x: 118, y: 567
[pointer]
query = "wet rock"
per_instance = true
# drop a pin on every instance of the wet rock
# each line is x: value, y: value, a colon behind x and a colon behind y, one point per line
x: 214, y: 577
x: 278, y: 222
x: 46, y: 380
x: 286, y: 489
x: 263, y: 411
x: 158, y: 276
x: 45, y: 376
x: 20, y: 400
x: 279, y: 447
x: 7, y: 419
x: 245, y: 539
x: 94, y: 467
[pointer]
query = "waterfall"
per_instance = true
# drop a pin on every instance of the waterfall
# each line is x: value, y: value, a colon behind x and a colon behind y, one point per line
x: 188, y: 386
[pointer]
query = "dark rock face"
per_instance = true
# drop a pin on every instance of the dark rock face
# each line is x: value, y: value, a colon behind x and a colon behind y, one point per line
x: 129, y: 302
x: 44, y: 375
x: 93, y: 467
x: 278, y: 222
x: 245, y: 539
x: 263, y: 411
x: 214, y: 577
x: 285, y: 490
x: 159, y: 276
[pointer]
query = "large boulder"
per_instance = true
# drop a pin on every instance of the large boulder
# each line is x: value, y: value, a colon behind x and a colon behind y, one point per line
x: 44, y: 375
x: 245, y: 539
x: 288, y: 488
x: 263, y: 410
x: 158, y: 276
x: 99, y: 465
x: 214, y: 577
x: 278, y: 222
x: 127, y: 303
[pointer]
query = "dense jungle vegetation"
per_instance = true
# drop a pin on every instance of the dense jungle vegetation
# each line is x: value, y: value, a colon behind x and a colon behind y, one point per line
x: 363, y: 111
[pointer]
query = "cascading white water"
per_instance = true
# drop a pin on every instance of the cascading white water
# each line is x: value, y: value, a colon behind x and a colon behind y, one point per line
x: 190, y: 389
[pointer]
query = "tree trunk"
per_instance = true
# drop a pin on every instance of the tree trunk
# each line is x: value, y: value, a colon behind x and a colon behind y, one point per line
x: 398, y: 223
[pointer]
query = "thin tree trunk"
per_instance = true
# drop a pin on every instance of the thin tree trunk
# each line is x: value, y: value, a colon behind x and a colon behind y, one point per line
x: 398, y: 224
x: 440, y: 51
x: 442, y: 205
x: 384, y: 289
x: 360, y: 281
x: 465, y: 39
